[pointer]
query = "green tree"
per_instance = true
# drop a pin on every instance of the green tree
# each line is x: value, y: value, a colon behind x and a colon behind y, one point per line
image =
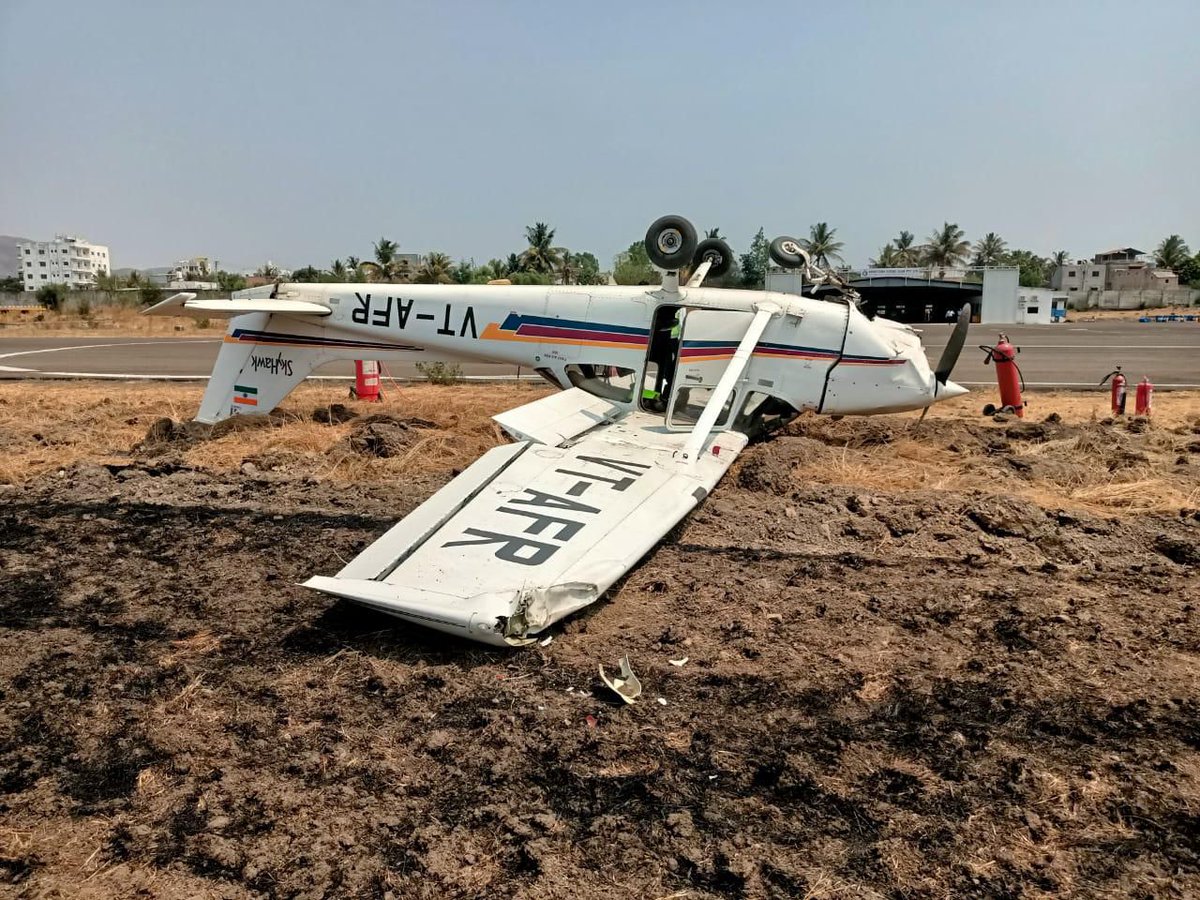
x: 463, y: 272
x: 492, y: 270
x: 386, y: 267
x: 568, y: 271
x: 1171, y: 253
x: 633, y: 266
x: 1034, y: 270
x: 531, y: 278
x: 989, y: 250
x: 435, y: 269
x: 11, y: 284
x: 713, y: 233
x: 52, y: 296
x: 267, y: 270
x: 821, y: 244
x: 108, y: 283
x: 946, y: 246
x: 755, y: 261
x: 541, y: 255
x: 307, y: 274
x: 230, y: 281
x: 588, y: 268
x: 354, y: 268
x: 149, y: 294
x: 338, y: 270
x: 513, y: 263
x: 888, y: 258
x: 1189, y: 271
x: 907, y: 252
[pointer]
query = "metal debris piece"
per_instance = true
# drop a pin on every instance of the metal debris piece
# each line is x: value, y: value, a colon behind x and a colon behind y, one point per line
x: 678, y: 662
x: 662, y: 701
x: 545, y: 642
x: 626, y: 685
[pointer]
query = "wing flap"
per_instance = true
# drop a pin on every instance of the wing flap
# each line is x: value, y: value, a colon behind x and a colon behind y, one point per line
x: 186, y: 304
x: 558, y: 417
x: 541, y: 536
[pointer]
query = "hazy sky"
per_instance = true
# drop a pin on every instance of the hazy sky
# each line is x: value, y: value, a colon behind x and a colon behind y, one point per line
x: 301, y: 131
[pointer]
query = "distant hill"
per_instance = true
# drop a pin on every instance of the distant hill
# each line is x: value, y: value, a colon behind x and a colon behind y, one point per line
x: 9, y: 264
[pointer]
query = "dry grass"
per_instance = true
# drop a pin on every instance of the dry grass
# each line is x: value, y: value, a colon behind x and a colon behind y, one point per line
x: 48, y: 425
x: 1076, y: 471
x: 104, y: 321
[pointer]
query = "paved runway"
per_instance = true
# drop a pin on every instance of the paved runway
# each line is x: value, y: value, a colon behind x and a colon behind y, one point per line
x: 1066, y: 355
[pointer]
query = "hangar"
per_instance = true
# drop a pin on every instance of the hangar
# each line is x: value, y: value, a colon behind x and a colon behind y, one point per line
x: 920, y: 295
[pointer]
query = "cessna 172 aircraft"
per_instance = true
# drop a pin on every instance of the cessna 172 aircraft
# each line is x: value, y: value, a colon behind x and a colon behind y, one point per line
x: 662, y: 387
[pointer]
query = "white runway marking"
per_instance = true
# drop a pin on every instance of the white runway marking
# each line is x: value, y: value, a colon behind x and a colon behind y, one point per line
x: 102, y: 346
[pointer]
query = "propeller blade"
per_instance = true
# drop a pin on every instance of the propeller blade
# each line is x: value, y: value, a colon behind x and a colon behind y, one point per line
x: 954, y: 346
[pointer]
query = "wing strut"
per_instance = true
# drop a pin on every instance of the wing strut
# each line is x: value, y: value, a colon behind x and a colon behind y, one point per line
x: 727, y: 384
x: 697, y: 278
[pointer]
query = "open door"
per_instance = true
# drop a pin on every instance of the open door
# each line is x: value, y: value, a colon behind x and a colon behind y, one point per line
x: 709, y: 339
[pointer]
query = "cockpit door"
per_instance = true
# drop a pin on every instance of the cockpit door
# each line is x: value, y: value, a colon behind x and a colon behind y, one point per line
x: 708, y: 340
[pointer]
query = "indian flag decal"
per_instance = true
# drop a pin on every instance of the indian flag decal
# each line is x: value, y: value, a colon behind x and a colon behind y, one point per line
x: 246, y: 396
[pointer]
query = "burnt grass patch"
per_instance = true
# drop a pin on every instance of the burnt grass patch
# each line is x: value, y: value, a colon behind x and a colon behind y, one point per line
x: 916, y: 695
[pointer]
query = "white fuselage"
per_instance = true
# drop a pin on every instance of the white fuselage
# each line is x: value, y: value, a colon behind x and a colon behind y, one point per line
x: 814, y: 354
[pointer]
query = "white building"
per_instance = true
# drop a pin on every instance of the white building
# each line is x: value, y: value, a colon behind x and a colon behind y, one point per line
x: 65, y: 260
x: 1012, y: 304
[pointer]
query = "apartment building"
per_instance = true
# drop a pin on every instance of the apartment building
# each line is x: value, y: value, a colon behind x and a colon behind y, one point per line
x: 65, y: 260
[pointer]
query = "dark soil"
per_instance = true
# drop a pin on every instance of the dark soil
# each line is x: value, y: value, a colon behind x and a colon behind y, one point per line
x: 893, y: 695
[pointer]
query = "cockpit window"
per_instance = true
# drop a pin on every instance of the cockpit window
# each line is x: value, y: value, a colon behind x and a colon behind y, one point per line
x: 610, y: 382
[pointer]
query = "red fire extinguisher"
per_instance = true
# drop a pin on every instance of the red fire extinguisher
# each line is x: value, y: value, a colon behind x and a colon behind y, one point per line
x: 1145, y: 396
x: 366, y: 381
x: 1118, y: 390
x: 1008, y: 376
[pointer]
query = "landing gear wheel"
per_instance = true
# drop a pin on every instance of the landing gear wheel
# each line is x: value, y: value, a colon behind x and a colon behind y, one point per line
x: 990, y: 409
x: 787, y: 252
x: 717, y: 252
x: 670, y: 242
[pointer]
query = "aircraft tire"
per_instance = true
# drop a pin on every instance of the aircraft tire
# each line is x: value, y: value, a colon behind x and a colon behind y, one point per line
x: 671, y: 242
x: 989, y: 409
x: 787, y: 252
x: 716, y: 250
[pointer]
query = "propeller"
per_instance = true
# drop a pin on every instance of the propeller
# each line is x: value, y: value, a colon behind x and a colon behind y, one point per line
x: 958, y: 337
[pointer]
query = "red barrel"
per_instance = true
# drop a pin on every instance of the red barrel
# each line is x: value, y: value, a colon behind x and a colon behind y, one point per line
x: 1145, y: 396
x: 366, y: 381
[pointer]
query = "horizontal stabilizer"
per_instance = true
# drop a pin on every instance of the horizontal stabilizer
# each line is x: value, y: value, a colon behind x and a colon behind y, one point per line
x: 186, y: 304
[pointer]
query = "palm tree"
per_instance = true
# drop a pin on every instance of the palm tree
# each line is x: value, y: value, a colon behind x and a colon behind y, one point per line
x: 567, y: 270
x: 1171, y: 253
x: 821, y: 245
x: 907, y: 253
x: 541, y: 255
x: 435, y: 269
x: 354, y: 267
x: 513, y: 264
x: 713, y: 233
x: 338, y: 270
x: 386, y: 266
x: 492, y: 270
x: 946, y: 246
x: 989, y: 250
x: 889, y: 258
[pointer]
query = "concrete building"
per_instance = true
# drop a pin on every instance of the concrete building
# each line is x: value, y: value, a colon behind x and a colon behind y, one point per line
x: 65, y: 260
x: 1119, y: 269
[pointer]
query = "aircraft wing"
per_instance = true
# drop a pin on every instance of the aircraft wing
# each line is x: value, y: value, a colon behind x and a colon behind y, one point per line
x: 186, y: 304
x: 532, y: 532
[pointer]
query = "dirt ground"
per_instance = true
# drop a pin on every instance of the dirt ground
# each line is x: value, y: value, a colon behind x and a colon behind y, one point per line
x: 954, y: 658
x: 109, y: 320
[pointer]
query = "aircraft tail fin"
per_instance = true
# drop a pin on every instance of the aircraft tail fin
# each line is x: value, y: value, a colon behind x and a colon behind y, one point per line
x: 252, y: 378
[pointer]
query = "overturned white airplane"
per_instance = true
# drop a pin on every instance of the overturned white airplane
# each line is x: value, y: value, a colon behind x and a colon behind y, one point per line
x: 662, y: 387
